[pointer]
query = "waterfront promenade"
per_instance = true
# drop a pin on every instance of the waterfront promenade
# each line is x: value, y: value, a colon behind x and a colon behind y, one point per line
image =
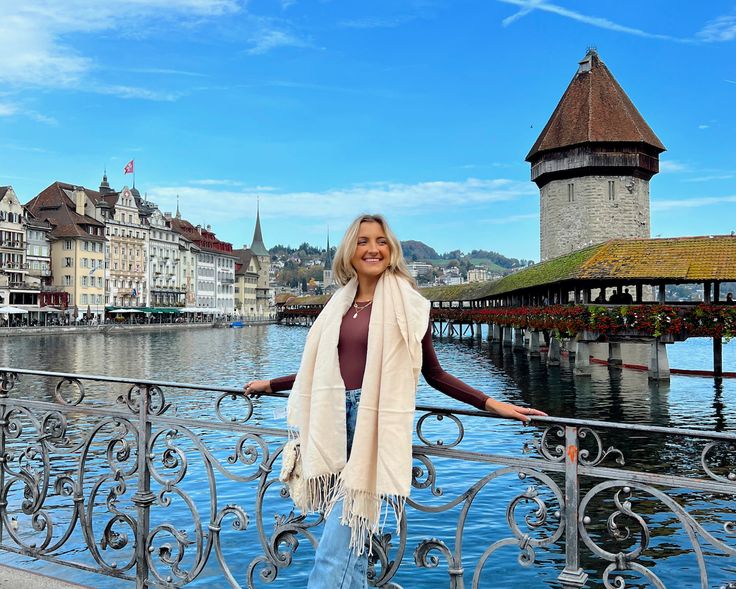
x: 120, y: 328
x: 14, y: 578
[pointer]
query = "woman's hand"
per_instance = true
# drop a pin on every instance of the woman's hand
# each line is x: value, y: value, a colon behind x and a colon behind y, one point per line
x: 510, y: 411
x: 256, y: 387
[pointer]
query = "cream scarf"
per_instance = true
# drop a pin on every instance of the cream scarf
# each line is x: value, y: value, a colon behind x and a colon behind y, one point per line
x: 378, y: 474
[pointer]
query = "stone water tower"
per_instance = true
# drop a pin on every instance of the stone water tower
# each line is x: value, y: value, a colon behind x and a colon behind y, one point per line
x: 592, y: 164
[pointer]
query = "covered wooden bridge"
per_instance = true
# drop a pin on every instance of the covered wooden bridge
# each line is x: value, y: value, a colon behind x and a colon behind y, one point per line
x: 613, y: 292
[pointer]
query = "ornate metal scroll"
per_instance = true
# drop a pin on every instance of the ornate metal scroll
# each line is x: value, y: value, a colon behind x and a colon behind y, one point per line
x: 151, y: 495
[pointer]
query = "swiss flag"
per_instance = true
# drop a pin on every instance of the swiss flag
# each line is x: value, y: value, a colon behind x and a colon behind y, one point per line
x: 128, y: 169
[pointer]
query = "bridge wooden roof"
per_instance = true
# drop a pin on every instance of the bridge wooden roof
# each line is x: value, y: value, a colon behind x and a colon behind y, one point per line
x: 669, y: 260
x: 620, y: 261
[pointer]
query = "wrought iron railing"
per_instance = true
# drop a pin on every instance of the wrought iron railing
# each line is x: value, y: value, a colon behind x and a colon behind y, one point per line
x: 108, y: 484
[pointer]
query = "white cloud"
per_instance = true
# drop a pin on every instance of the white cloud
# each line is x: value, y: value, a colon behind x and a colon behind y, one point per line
x: 165, y: 72
x: 527, y: 6
x: 703, y: 126
x: 709, y: 178
x: 376, y: 22
x: 670, y: 166
x: 38, y: 35
x: 9, y: 109
x: 206, y: 204
x: 511, y: 219
x: 134, y: 92
x: 690, y: 203
x: 266, y: 40
x: 719, y: 29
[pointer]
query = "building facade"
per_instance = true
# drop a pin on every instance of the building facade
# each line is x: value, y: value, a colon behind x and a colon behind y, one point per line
x: 246, y: 282
x: 264, y: 292
x: 592, y: 163
x: 13, y: 266
x: 77, y: 244
x: 215, y: 268
x: 164, y: 261
x: 127, y: 251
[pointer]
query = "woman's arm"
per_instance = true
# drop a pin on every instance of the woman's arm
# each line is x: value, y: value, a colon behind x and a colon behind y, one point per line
x: 282, y: 383
x: 444, y: 382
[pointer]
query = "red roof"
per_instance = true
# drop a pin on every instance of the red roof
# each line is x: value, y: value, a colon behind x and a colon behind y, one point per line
x: 202, y: 238
x: 53, y: 204
x: 594, y: 109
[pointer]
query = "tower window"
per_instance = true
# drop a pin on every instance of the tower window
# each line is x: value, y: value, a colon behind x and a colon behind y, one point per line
x: 571, y: 192
x: 611, y: 190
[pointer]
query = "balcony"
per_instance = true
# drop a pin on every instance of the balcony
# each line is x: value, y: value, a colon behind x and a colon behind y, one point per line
x: 9, y: 267
x: 12, y: 244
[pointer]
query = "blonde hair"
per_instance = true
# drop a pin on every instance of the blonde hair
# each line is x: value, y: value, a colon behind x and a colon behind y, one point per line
x: 342, y: 267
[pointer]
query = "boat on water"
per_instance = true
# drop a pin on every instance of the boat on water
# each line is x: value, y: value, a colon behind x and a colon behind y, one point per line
x: 237, y: 324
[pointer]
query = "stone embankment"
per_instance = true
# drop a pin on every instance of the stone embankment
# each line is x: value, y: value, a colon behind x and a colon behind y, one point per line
x: 123, y: 328
x: 12, y: 578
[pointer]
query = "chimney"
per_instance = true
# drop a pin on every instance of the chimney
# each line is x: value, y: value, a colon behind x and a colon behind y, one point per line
x: 79, y: 199
x: 167, y: 216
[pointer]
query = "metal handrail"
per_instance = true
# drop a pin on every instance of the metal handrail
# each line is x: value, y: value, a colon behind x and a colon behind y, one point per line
x: 146, y: 448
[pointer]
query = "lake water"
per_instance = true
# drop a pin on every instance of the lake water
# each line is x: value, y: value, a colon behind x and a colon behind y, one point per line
x: 229, y: 357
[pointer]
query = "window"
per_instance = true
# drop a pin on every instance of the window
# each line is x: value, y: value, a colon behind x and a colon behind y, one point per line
x: 67, y: 262
x: 67, y: 244
x: 85, y: 263
x: 571, y: 192
x: 84, y: 281
x: 99, y: 282
x: 84, y: 299
x: 611, y: 190
x: 67, y: 280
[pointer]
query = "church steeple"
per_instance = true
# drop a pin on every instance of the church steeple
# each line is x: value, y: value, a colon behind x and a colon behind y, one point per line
x: 257, y: 247
x: 328, y: 256
x: 105, y: 185
x: 178, y: 214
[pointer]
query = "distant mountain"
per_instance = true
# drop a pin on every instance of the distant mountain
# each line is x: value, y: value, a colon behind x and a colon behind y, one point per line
x: 416, y: 250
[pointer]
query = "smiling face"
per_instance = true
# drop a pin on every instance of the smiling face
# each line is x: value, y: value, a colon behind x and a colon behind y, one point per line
x: 372, y: 252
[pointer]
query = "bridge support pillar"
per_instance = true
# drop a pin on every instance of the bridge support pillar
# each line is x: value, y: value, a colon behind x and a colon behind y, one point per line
x: 497, y: 333
x: 717, y: 356
x: 507, y: 334
x: 534, y: 343
x: 659, y: 365
x: 582, y: 359
x: 614, y: 354
x: 479, y: 332
x: 518, y: 338
x: 489, y: 337
x: 553, y: 352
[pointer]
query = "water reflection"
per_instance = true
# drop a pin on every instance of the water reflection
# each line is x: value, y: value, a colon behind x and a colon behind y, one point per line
x: 229, y: 357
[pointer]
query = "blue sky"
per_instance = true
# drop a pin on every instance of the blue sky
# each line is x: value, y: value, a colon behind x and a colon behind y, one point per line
x: 423, y: 110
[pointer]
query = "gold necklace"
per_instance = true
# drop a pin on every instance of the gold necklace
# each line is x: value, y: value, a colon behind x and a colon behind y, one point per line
x: 359, y: 309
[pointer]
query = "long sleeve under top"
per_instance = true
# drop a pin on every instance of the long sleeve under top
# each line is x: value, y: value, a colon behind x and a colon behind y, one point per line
x: 353, y: 346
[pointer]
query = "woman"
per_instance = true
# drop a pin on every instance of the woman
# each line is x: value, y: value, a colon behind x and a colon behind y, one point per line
x: 352, y: 400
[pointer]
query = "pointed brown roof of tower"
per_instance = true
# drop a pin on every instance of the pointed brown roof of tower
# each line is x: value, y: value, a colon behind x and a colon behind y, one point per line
x: 594, y: 109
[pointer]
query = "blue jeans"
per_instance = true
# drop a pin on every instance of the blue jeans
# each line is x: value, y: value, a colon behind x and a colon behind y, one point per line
x: 336, y: 566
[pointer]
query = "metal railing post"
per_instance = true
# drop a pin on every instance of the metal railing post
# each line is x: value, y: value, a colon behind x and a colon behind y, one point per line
x: 143, y: 498
x: 573, y: 575
x: 3, y: 425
